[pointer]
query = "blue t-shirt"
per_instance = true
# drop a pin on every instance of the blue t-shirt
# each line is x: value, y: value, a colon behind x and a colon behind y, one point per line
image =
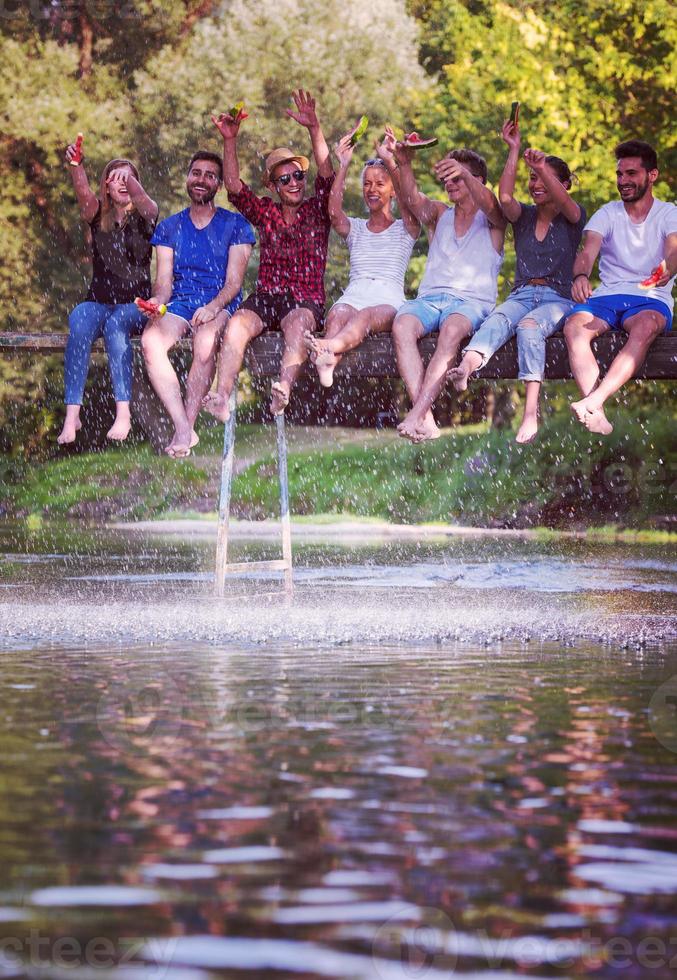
x: 201, y: 254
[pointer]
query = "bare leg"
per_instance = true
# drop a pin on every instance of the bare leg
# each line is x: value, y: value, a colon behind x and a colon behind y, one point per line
x: 452, y: 332
x: 529, y: 427
x: 71, y: 425
x: 328, y: 350
x: 122, y: 424
x: 643, y: 328
x: 156, y: 341
x: 242, y: 327
x: 203, y: 367
x: 407, y: 331
x: 294, y: 355
x: 579, y: 331
x: 470, y: 362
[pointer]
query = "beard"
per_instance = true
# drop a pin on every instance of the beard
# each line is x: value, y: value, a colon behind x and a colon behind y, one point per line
x: 636, y: 194
x: 202, y: 197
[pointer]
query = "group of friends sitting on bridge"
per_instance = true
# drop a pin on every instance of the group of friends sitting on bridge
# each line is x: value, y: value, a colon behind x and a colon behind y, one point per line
x: 203, y: 251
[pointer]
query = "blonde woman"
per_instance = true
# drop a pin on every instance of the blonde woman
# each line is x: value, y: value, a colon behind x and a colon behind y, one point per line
x: 121, y: 220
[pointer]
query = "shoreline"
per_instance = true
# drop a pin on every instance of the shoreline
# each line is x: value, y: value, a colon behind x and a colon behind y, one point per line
x: 330, y: 528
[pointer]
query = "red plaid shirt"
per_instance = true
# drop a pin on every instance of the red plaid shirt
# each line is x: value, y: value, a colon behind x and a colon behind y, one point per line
x: 293, y: 257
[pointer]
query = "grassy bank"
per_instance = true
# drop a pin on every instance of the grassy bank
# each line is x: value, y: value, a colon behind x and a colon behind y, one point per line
x: 471, y: 475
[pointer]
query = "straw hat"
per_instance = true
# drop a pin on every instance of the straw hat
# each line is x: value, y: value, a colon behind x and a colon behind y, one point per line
x: 284, y: 155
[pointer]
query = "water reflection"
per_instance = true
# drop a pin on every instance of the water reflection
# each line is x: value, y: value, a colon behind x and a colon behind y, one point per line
x: 192, y: 808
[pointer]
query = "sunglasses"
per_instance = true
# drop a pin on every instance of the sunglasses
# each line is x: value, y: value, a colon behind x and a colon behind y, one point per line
x: 285, y: 179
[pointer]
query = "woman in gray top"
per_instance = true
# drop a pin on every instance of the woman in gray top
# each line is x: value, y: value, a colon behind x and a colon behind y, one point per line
x: 547, y: 234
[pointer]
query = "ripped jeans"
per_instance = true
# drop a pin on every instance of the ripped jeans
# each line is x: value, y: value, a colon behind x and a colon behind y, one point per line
x: 540, y: 304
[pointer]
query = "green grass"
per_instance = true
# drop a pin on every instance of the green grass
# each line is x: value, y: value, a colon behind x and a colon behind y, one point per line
x: 478, y: 476
x: 129, y: 482
x: 472, y: 475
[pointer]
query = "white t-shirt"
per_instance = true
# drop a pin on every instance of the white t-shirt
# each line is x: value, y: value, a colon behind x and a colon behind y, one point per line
x: 630, y: 252
x: 379, y: 255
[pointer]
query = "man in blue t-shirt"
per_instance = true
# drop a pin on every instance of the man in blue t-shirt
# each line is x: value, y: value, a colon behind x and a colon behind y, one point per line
x: 202, y: 254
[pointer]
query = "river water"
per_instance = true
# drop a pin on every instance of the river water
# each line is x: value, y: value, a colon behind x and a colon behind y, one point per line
x: 445, y: 758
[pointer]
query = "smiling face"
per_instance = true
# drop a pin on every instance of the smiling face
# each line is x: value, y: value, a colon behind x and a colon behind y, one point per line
x: 539, y: 192
x: 633, y: 180
x: 117, y: 191
x: 203, y: 181
x: 377, y: 188
x: 289, y: 180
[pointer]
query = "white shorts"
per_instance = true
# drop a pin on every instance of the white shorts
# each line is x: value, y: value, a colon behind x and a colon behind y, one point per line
x: 364, y: 292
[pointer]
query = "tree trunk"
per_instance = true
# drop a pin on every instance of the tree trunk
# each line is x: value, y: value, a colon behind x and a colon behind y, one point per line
x: 86, y: 44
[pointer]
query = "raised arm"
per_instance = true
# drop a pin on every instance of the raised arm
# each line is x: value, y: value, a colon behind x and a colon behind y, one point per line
x: 145, y: 205
x: 423, y: 208
x: 229, y: 128
x: 88, y: 202
x: 306, y: 116
x: 338, y: 217
x: 583, y: 266
x: 386, y: 152
x: 238, y: 257
x: 535, y: 160
x: 483, y: 196
x: 506, y: 185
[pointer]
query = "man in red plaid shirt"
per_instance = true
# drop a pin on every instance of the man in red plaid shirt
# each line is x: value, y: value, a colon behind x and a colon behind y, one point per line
x: 293, y: 235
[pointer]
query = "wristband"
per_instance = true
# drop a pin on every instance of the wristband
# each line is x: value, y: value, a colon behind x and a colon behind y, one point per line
x: 578, y: 276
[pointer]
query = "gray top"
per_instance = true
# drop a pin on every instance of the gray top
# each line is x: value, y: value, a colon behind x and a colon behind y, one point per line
x: 553, y: 258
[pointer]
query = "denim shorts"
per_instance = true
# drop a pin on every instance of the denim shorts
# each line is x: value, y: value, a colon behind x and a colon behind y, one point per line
x: 615, y: 308
x: 433, y: 309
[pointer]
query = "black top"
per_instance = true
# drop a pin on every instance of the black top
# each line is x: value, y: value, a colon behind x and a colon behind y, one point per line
x: 121, y: 259
x: 553, y: 258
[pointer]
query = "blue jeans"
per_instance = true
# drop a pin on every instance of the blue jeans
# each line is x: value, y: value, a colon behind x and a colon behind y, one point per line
x: 540, y: 304
x: 116, y: 322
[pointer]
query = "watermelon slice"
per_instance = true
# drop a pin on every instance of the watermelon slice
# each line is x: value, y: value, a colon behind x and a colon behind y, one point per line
x: 77, y: 157
x: 237, y: 112
x: 417, y: 142
x: 656, y: 275
x: 152, y: 309
x: 360, y: 130
x: 515, y: 113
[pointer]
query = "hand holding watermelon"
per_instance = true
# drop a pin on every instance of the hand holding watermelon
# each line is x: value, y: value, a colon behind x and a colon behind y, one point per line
x: 656, y: 277
x: 74, y: 153
x: 149, y: 308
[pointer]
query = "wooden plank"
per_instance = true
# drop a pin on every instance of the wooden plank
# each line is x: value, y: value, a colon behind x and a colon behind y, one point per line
x: 376, y: 357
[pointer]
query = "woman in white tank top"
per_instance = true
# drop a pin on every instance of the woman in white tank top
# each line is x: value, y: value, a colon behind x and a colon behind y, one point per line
x: 380, y: 248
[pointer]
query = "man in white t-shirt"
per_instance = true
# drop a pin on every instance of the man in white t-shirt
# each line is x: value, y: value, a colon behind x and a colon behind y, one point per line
x: 632, y: 237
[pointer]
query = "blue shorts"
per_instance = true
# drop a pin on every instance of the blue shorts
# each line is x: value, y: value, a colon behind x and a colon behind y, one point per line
x: 433, y: 309
x: 617, y: 307
x: 186, y: 307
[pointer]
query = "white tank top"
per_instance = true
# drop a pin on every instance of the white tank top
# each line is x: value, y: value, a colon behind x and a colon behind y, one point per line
x: 468, y: 266
x: 379, y: 255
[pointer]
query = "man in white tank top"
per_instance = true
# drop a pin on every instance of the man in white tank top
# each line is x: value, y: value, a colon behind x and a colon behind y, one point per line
x: 459, y: 286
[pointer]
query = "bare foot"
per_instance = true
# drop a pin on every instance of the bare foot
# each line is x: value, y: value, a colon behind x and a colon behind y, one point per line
x: 323, y: 357
x: 596, y: 421
x: 428, y: 429
x: 182, y: 443
x: 459, y: 377
x: 527, y: 430
x: 217, y: 405
x: 69, y: 432
x: 120, y: 427
x: 279, y: 391
x: 593, y: 418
